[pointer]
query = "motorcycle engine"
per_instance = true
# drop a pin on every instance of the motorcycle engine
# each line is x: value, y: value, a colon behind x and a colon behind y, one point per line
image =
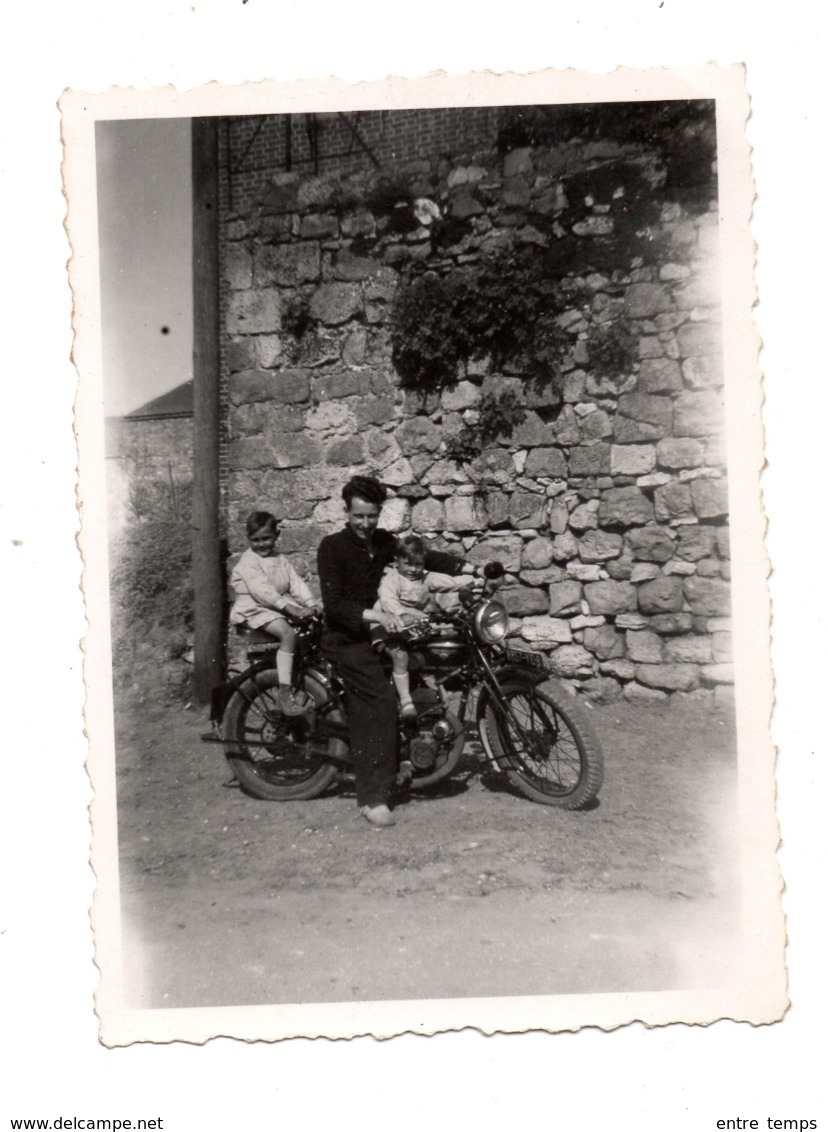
x: 422, y: 751
x: 424, y: 747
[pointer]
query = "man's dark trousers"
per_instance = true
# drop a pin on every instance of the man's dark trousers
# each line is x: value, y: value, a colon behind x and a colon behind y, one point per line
x: 372, y: 717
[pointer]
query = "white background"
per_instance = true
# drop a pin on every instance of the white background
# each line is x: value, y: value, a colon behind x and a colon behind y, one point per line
x: 672, y: 1078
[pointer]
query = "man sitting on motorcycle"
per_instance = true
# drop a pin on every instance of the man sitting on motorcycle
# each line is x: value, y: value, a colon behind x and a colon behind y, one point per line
x: 351, y: 564
x: 407, y: 590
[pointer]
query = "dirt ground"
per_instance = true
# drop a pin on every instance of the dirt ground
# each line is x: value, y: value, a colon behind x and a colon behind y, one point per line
x: 227, y: 900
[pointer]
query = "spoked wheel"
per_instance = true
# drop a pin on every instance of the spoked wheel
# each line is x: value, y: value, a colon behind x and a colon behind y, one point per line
x: 546, y: 745
x: 277, y: 757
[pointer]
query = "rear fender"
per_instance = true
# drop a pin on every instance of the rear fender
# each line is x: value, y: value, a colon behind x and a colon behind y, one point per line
x: 325, y: 677
x: 221, y: 695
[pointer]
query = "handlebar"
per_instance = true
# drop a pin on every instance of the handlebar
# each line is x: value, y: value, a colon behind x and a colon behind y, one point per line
x: 493, y: 574
x: 309, y: 620
x: 493, y: 571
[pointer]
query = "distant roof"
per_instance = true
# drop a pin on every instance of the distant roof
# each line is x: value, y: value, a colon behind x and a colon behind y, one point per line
x: 177, y: 403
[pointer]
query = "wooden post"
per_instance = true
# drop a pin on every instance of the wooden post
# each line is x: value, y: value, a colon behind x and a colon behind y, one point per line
x: 207, y: 566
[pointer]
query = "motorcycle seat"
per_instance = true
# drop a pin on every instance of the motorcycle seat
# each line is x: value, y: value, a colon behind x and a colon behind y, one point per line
x: 256, y: 636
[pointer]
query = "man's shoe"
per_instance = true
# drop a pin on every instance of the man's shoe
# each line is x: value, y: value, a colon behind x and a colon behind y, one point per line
x: 377, y: 815
x: 288, y: 704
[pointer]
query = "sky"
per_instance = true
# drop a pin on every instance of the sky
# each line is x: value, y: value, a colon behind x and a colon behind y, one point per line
x: 145, y: 229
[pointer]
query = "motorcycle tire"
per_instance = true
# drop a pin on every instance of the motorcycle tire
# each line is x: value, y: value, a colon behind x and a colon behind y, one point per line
x: 275, y: 757
x: 549, y: 752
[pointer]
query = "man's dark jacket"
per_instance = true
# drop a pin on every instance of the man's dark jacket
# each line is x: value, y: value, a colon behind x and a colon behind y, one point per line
x: 349, y: 577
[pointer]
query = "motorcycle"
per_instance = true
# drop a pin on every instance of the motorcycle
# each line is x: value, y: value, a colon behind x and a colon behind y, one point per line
x: 465, y: 678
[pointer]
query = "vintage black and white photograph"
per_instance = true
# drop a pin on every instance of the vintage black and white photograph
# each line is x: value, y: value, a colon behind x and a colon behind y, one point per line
x: 418, y: 438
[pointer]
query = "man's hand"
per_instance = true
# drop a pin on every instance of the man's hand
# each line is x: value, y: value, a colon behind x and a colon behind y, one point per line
x: 413, y: 616
x: 391, y: 622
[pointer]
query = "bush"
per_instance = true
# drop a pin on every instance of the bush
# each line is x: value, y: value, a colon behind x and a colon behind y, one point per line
x: 152, y: 580
x: 152, y: 604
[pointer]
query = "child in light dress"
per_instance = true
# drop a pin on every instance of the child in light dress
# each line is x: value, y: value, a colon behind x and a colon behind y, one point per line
x: 408, y: 591
x: 267, y: 587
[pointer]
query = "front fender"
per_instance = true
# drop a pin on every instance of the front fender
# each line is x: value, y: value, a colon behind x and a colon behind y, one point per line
x: 505, y: 674
x: 508, y: 673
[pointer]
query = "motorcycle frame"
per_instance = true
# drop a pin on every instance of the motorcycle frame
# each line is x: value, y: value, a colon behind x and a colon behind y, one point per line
x: 489, y: 678
x: 475, y: 669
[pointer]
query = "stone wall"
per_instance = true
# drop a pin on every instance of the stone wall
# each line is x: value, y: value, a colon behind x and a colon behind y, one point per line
x: 609, y: 502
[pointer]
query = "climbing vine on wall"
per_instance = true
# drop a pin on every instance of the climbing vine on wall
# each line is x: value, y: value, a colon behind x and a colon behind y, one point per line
x: 507, y: 309
x: 504, y: 308
x: 682, y: 131
x: 596, y: 216
x: 498, y: 416
x: 612, y: 348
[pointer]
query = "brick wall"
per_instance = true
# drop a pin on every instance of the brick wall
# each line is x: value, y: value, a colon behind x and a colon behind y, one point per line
x: 254, y: 148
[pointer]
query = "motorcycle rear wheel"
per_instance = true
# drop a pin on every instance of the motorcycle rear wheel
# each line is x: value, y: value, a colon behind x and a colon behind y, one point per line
x: 273, y: 756
x: 546, y: 746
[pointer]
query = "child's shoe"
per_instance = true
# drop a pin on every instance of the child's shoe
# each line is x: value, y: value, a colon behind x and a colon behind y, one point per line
x: 404, y: 775
x: 287, y: 702
x: 408, y: 712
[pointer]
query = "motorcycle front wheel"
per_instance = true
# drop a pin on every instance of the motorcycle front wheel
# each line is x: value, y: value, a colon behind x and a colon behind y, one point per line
x: 545, y: 744
x: 276, y: 757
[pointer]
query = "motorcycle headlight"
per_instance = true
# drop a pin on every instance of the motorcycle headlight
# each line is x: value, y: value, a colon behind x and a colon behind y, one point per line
x: 491, y: 622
